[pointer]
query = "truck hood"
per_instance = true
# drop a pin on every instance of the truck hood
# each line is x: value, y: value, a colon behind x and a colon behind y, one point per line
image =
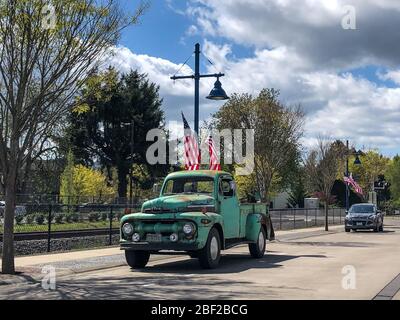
x: 176, y: 203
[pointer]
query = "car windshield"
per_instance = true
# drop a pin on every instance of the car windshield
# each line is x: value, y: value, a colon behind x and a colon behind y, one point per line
x: 362, y: 209
x: 191, y: 185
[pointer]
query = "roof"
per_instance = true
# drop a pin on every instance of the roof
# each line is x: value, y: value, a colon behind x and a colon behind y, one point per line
x: 198, y: 173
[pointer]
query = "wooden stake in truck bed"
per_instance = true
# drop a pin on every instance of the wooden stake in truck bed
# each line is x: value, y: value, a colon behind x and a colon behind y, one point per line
x: 197, y: 213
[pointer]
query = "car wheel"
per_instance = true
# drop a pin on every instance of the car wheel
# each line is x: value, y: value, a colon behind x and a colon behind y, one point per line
x: 257, y: 249
x: 347, y: 230
x: 210, y: 255
x: 137, y: 259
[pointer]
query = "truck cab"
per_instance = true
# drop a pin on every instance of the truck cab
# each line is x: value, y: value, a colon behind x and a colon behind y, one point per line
x: 196, y: 213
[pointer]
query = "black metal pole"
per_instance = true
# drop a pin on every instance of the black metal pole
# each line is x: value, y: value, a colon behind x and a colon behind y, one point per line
x: 131, y: 165
x: 197, y: 88
x: 49, y: 230
x: 347, y: 175
x: 111, y: 221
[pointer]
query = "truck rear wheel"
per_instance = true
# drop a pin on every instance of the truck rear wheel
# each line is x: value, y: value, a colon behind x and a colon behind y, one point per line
x: 210, y: 255
x: 137, y: 259
x: 257, y: 249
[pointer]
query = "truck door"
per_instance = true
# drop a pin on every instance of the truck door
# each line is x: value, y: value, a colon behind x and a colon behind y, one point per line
x: 229, y: 206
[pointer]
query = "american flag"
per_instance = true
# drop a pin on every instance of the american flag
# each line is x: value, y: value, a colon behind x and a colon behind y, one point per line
x: 192, y: 153
x: 351, y: 182
x: 214, y: 165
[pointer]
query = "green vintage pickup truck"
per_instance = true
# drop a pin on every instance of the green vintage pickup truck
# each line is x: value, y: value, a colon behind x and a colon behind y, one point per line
x: 197, y: 213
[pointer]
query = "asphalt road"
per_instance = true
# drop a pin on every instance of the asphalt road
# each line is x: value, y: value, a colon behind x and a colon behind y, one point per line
x: 309, y: 265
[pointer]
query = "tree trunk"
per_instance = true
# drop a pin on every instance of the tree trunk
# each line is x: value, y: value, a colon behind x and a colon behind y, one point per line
x: 326, y: 216
x: 122, y: 181
x: 8, y: 266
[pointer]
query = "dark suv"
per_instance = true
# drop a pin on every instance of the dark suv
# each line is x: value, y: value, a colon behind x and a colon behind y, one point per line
x: 364, y: 216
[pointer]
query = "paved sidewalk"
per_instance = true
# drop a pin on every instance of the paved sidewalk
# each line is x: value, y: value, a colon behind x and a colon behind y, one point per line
x: 30, y: 267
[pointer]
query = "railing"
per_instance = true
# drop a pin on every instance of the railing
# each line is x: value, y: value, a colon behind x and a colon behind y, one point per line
x: 58, y: 227
x: 289, y: 219
x: 48, y: 222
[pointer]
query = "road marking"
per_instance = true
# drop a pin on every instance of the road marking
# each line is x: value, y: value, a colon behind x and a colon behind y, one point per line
x: 390, y: 290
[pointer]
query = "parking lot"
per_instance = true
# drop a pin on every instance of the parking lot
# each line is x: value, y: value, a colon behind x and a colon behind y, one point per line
x: 305, y: 264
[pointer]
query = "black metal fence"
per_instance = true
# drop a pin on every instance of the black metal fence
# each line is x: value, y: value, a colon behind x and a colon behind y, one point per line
x: 289, y: 219
x: 48, y: 224
x: 51, y: 222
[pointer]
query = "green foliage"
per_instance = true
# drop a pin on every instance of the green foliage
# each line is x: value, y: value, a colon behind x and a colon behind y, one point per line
x: 101, y: 126
x: 80, y: 181
x: 72, y: 217
x: 59, y: 218
x: 19, y: 219
x: 51, y: 218
x: 373, y: 164
x: 297, y: 192
x: 104, y: 216
x: 30, y: 218
x: 277, y: 133
x: 94, y: 216
x: 393, y: 176
x: 40, y: 218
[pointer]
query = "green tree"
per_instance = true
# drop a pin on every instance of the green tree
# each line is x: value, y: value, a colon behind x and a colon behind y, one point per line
x: 321, y: 168
x: 297, y: 191
x: 80, y: 182
x: 278, y: 130
x: 47, y: 49
x: 373, y: 165
x: 115, y: 113
x: 393, y: 176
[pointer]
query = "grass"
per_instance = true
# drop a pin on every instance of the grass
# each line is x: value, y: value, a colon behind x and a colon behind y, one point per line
x: 63, y: 226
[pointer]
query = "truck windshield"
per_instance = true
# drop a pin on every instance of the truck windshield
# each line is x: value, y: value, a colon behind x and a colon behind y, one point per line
x: 201, y: 185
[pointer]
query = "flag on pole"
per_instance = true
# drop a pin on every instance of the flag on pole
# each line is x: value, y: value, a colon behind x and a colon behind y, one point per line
x: 191, y: 148
x: 214, y: 164
x: 351, y: 182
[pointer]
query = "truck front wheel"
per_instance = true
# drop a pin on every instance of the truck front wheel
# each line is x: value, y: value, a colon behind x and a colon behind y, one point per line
x: 257, y: 249
x: 210, y: 255
x: 137, y: 259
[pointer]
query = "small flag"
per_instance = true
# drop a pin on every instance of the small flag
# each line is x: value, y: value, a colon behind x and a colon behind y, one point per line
x: 351, y: 182
x: 214, y: 164
x: 191, y: 148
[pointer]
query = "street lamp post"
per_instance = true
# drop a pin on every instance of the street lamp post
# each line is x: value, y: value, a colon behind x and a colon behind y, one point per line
x: 216, y: 94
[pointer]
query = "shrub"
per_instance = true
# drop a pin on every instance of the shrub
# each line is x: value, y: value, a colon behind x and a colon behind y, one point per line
x: 30, y: 218
x: 19, y: 219
x: 72, y: 217
x: 39, y: 218
x: 47, y: 218
x: 104, y: 216
x: 94, y: 216
x: 59, y: 218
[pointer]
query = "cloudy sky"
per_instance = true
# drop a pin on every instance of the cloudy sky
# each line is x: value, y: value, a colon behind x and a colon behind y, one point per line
x: 347, y: 80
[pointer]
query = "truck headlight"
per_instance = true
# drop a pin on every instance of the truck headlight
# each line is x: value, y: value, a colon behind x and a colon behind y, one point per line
x: 189, y: 229
x: 127, y: 229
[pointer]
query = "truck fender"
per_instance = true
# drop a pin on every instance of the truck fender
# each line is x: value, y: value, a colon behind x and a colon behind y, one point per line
x: 253, y: 225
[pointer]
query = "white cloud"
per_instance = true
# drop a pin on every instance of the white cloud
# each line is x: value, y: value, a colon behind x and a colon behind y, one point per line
x: 340, y: 106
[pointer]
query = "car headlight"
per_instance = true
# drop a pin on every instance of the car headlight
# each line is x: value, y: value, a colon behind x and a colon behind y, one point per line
x: 173, y: 237
x: 189, y: 229
x: 127, y: 229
